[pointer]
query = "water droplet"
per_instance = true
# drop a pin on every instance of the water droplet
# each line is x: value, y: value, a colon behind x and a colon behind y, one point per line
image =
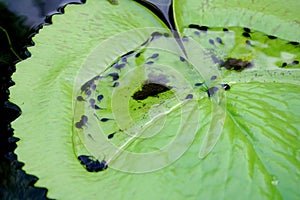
x: 275, y: 182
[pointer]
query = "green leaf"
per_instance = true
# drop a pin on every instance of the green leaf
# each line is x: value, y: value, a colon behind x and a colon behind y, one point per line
x: 191, y: 139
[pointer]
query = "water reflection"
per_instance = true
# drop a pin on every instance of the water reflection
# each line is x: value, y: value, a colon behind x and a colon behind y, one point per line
x: 19, y: 22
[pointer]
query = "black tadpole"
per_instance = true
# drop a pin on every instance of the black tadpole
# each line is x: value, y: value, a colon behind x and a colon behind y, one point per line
x: 114, y: 75
x: 211, y: 91
x: 105, y: 119
x: 91, y: 164
x: 110, y: 136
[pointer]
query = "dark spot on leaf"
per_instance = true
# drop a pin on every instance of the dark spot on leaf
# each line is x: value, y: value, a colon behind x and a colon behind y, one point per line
x: 236, y: 64
x: 149, y: 89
